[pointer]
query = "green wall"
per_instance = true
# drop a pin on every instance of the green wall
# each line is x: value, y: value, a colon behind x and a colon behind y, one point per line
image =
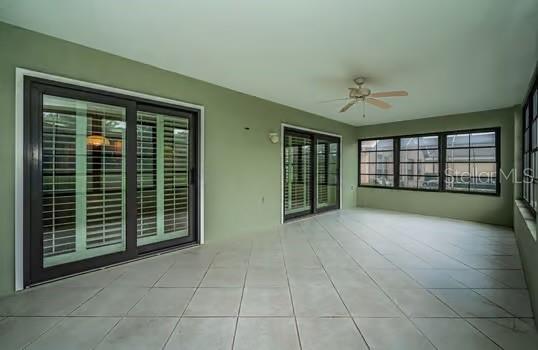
x: 482, y: 208
x: 242, y: 172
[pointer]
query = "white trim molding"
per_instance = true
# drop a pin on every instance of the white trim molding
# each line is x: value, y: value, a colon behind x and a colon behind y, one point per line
x: 282, y: 127
x: 20, y: 73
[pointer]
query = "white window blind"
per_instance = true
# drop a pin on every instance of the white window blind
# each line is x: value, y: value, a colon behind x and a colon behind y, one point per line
x: 297, y: 173
x: 163, y: 177
x: 83, y: 179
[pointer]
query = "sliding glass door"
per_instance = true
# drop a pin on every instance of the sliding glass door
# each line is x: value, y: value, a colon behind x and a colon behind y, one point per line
x: 164, y: 159
x: 297, y: 174
x: 83, y: 179
x: 328, y: 172
x: 311, y: 173
x: 107, y: 178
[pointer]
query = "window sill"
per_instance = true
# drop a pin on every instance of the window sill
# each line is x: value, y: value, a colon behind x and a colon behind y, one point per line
x: 528, y: 216
x: 494, y: 194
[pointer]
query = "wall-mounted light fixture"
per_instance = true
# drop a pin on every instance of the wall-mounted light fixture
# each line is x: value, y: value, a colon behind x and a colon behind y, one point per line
x: 273, y: 137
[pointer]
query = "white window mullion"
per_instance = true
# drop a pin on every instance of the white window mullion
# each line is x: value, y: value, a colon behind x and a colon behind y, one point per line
x: 160, y: 176
x: 81, y: 175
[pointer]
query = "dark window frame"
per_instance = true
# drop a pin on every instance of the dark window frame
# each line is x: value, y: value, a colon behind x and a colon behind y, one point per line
x: 442, y: 160
x: 394, y: 171
x: 527, y: 151
x: 34, y: 88
x: 314, y: 136
x: 417, y: 161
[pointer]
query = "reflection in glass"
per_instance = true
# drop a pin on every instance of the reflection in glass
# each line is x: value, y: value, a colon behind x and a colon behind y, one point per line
x: 457, y: 140
x: 162, y: 177
x: 327, y: 180
x: 83, y: 178
x: 297, y: 173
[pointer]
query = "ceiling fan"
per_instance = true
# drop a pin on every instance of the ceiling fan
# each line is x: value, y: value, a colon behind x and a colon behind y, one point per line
x: 359, y: 93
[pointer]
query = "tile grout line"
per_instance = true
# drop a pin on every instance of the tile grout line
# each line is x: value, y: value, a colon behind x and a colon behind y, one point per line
x: 108, y: 332
x: 242, y: 294
x: 334, y: 287
x: 289, y: 291
x: 54, y: 325
x: 429, y: 289
x: 378, y: 285
x: 460, y: 316
x: 190, y: 300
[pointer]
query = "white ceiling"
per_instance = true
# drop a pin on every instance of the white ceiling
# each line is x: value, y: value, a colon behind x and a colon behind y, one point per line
x: 453, y: 56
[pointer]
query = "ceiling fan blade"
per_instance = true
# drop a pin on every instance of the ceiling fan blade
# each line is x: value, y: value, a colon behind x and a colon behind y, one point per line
x: 378, y: 103
x: 334, y: 100
x: 389, y: 93
x: 348, y: 106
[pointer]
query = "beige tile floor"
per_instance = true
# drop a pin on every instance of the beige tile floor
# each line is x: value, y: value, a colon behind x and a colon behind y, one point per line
x: 352, y: 279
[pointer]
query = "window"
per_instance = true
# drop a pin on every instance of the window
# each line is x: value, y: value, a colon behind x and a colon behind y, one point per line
x: 459, y: 161
x: 530, y: 148
x: 419, y: 162
x: 471, y: 162
x: 377, y: 162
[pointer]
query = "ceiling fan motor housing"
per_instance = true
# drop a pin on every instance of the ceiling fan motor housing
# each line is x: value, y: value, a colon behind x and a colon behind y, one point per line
x: 359, y: 92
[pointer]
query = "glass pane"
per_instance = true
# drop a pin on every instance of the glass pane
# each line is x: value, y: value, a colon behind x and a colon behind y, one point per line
x: 533, y: 133
x: 297, y: 173
x: 428, y: 182
x: 457, y: 140
x: 408, y: 168
x: 534, y: 159
x: 384, y: 180
x: 535, y: 104
x: 386, y: 144
x: 409, y: 143
x: 457, y: 183
x: 408, y: 181
x: 385, y: 156
x: 457, y: 155
x: 431, y: 169
x: 368, y: 157
x: 428, y: 142
x: 483, y: 154
x: 428, y: 155
x: 408, y: 156
x: 377, y: 180
x: 385, y: 168
x: 483, y: 169
x: 327, y: 180
x: 377, y: 168
x: 83, y: 173
x: 457, y: 169
x: 484, y: 184
x: 368, y: 145
x: 483, y: 139
x: 162, y: 177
